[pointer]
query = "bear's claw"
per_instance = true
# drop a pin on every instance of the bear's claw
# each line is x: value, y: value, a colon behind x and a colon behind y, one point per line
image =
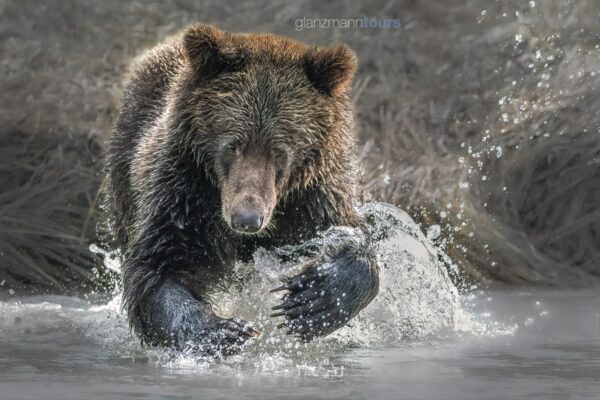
x: 326, y: 294
x: 313, y: 303
x: 224, y: 337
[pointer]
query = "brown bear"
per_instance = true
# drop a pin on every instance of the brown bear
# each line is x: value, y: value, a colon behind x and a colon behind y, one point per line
x: 224, y: 143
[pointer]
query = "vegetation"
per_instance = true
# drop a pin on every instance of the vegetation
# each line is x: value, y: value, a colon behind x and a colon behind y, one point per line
x: 480, y: 117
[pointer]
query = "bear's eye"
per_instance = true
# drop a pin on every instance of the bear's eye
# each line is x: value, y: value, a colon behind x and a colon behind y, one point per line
x: 229, y: 147
x: 282, y: 157
x: 282, y: 161
x: 279, y: 175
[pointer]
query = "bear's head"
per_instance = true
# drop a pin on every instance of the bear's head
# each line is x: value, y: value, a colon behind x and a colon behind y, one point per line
x: 270, y: 116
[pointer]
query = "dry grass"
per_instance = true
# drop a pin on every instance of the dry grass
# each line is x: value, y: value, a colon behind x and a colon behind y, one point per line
x: 502, y: 139
x: 47, y: 213
x: 435, y: 100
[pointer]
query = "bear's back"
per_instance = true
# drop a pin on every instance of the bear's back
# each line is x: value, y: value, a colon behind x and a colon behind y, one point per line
x: 143, y: 101
x: 145, y: 92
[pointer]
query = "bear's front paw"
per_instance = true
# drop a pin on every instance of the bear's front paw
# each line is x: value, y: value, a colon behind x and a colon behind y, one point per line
x: 219, y: 336
x: 326, y: 294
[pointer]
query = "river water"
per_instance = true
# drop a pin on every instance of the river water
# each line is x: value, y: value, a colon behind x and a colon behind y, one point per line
x: 548, y: 348
x: 421, y: 338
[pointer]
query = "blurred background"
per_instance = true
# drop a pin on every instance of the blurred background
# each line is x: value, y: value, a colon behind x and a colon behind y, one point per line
x: 480, y: 118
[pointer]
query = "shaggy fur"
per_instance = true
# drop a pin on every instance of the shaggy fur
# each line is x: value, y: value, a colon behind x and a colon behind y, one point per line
x: 426, y: 96
x: 209, y: 118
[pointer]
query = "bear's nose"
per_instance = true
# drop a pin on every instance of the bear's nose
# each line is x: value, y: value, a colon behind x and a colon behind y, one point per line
x: 246, y: 221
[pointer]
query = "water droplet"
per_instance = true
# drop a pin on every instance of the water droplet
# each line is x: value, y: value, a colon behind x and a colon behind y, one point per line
x: 433, y: 232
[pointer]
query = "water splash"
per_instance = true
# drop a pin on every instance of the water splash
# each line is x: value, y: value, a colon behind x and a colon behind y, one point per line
x: 417, y: 301
x: 416, y: 296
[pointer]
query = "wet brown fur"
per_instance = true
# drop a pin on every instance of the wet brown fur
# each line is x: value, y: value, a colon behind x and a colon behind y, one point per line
x: 211, y: 121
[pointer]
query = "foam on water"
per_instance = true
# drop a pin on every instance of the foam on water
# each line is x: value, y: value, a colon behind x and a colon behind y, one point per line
x: 417, y: 301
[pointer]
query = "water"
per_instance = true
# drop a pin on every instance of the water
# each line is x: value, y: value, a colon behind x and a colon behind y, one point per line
x: 420, y: 339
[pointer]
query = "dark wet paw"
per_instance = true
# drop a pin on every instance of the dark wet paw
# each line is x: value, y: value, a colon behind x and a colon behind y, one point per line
x: 222, y: 337
x: 325, y: 296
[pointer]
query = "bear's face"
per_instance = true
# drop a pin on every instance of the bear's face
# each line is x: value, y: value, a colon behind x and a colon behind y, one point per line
x: 264, y: 109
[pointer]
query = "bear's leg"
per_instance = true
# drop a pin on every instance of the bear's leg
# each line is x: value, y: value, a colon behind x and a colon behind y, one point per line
x: 330, y: 290
x: 164, y: 311
x: 172, y: 316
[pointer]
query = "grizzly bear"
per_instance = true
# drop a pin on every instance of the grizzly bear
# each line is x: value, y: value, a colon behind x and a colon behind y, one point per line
x: 226, y: 143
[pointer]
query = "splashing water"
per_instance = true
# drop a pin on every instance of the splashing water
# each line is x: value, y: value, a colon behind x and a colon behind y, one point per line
x: 416, y: 296
x: 416, y: 301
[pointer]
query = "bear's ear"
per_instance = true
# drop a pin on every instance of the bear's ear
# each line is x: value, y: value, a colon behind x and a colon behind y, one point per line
x: 210, y: 50
x: 331, y: 69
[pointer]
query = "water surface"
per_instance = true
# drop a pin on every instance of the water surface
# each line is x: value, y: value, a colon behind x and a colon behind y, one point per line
x: 549, y: 347
x: 419, y: 339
